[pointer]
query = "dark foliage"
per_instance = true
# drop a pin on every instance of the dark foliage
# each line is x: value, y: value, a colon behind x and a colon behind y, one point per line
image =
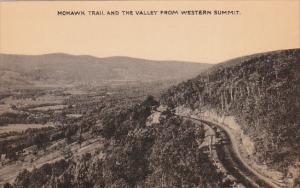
x: 261, y: 91
x: 135, y: 155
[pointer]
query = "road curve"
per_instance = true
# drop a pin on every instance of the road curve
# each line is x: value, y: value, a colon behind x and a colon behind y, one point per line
x: 233, y: 163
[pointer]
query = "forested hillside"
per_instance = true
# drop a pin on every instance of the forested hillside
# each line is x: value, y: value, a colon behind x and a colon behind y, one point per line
x: 262, y: 92
x: 133, y: 154
x: 114, y: 137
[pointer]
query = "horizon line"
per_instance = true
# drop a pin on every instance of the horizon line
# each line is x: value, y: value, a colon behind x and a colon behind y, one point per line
x: 149, y: 59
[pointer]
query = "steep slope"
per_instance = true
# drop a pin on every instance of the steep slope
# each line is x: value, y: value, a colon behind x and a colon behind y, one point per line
x: 262, y: 92
x: 66, y: 69
x: 132, y: 150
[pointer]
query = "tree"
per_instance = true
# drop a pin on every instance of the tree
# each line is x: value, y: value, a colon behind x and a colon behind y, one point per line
x: 40, y: 140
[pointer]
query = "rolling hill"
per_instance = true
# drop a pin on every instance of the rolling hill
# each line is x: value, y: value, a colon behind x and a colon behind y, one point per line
x: 69, y: 69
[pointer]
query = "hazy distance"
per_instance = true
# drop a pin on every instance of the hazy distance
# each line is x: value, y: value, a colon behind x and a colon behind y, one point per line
x: 34, y: 28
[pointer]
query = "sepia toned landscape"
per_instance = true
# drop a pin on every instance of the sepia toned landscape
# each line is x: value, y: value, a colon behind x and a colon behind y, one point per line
x: 150, y: 94
x: 82, y: 121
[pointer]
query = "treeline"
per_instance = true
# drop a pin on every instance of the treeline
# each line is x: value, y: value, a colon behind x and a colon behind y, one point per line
x: 262, y: 92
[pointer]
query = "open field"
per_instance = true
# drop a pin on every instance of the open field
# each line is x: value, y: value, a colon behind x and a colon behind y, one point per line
x: 45, y: 125
x: 21, y: 127
x: 4, y: 108
x: 127, y: 134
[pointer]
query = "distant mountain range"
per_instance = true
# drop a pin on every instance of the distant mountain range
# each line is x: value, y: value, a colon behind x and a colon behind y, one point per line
x: 62, y: 68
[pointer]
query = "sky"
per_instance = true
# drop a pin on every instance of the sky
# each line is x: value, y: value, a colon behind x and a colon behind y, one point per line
x: 35, y: 28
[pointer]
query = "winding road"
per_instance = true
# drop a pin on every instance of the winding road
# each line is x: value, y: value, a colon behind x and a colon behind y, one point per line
x: 232, y: 161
